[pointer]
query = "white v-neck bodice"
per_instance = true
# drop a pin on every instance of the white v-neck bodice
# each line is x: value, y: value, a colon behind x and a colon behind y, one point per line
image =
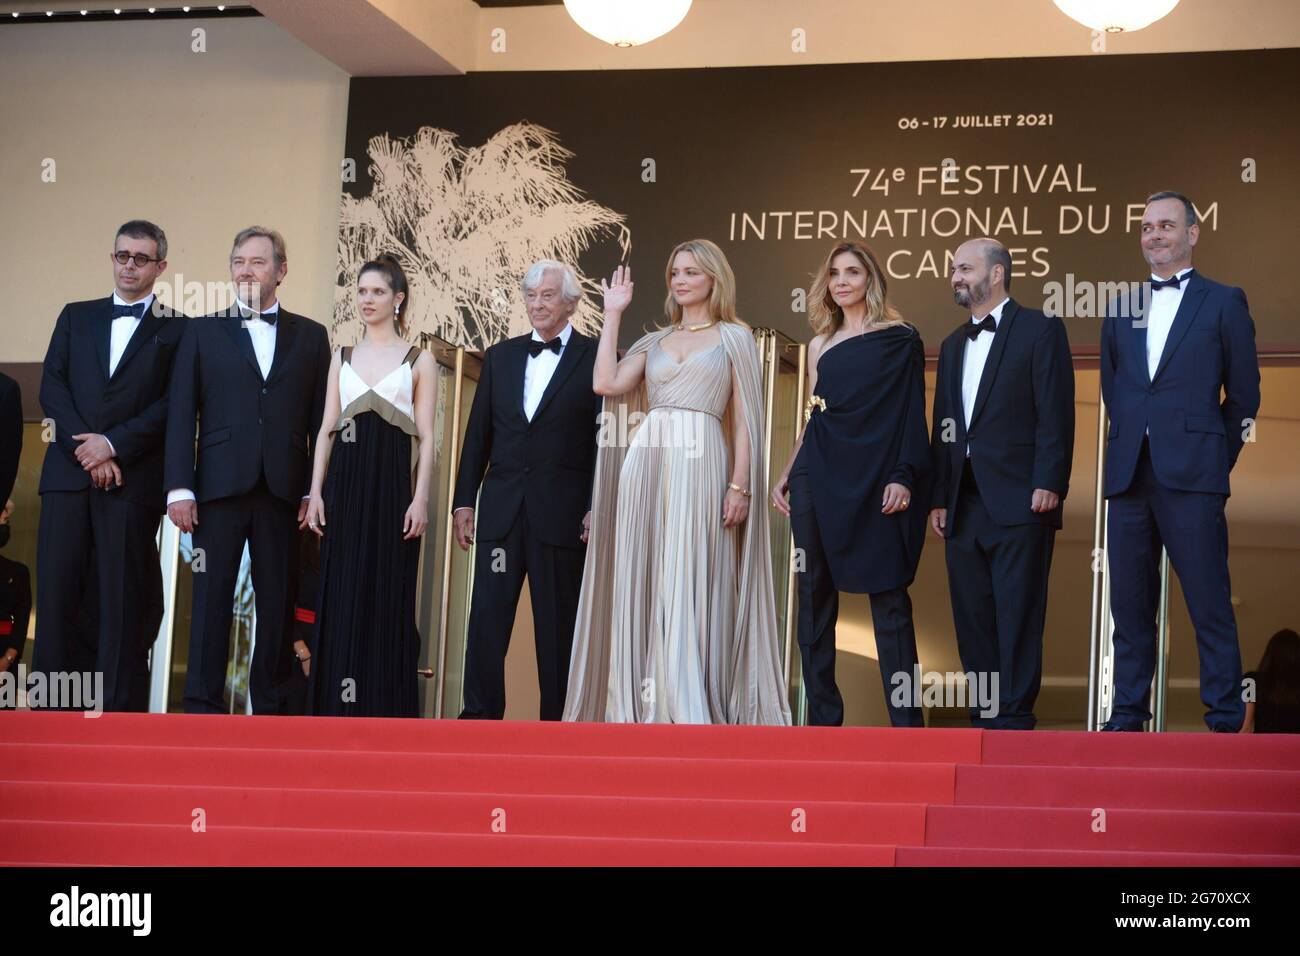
x: 397, y: 388
x: 392, y: 397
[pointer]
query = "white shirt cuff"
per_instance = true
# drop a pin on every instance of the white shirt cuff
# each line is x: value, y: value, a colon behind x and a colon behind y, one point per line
x: 110, y: 446
x: 180, y: 494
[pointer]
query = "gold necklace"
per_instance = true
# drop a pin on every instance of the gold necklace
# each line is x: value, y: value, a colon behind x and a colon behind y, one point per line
x: 699, y: 328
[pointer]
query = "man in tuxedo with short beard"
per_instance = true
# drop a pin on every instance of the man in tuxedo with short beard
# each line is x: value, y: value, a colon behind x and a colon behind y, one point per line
x: 1003, y: 443
x: 105, y: 385
x: 255, y: 378
x: 532, y: 429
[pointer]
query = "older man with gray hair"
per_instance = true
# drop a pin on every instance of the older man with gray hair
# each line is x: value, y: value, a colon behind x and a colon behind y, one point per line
x: 532, y: 429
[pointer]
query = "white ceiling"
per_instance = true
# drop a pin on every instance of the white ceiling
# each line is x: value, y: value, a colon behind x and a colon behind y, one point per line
x: 411, y: 37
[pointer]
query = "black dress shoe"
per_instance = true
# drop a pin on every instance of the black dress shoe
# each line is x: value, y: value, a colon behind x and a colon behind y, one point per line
x: 1223, y: 730
x: 1119, y: 727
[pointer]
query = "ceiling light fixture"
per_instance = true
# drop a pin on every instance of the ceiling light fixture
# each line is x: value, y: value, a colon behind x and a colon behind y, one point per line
x: 627, y: 23
x: 1116, y: 16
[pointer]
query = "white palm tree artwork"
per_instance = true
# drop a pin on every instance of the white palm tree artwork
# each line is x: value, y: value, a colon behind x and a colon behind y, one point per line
x: 466, y: 223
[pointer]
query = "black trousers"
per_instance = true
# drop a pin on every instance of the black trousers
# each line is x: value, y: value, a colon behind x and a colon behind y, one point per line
x: 819, y: 608
x: 269, y: 525
x: 99, y: 581
x: 1191, y: 526
x: 554, y: 583
x: 85, y: 648
x: 997, y: 579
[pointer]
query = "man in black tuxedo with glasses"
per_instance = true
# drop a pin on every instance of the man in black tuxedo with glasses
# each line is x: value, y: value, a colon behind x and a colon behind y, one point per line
x: 104, y: 386
x: 254, y: 376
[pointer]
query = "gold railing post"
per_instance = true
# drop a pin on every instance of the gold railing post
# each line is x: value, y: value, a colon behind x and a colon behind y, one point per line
x: 453, y: 462
x: 1160, y: 687
x: 1101, y: 680
x: 792, y: 577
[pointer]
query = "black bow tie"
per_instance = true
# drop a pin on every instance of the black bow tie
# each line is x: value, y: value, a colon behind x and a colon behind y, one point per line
x: 989, y: 324
x: 267, y: 317
x: 135, y: 311
x: 1173, y: 282
x: 535, y: 348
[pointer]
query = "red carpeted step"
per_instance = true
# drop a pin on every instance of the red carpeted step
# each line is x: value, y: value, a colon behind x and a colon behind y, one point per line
x: 547, y: 815
x: 108, y: 844
x: 121, y: 789
x: 1040, y: 828
x: 496, y: 773
x: 1112, y: 787
x: 1193, y: 751
x: 973, y: 857
x: 877, y: 744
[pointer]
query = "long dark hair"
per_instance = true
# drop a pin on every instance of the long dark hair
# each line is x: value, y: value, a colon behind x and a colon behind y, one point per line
x: 388, y: 266
x: 1279, y: 671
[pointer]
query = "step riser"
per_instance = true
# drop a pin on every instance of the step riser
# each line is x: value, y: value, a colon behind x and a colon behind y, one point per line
x: 502, y: 737
x: 471, y: 813
x: 659, y: 777
x: 79, y: 845
x: 1193, y: 832
x: 1143, y: 751
x: 941, y: 856
x: 1056, y: 787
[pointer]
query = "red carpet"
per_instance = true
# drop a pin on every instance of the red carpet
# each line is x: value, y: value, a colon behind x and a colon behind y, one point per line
x: 126, y: 789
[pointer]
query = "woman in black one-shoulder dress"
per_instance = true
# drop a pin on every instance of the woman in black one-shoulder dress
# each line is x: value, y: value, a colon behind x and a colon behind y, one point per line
x: 858, y: 479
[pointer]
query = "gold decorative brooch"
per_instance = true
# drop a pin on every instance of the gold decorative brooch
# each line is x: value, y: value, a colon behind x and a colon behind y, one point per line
x: 814, y: 401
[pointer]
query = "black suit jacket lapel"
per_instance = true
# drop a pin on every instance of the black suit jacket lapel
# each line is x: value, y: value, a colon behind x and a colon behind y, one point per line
x: 1192, y: 299
x: 286, y: 328
x: 234, y: 326
x: 1139, y: 303
x: 148, y: 327
x: 956, y: 369
x: 995, y: 357
x: 518, y: 361
x: 103, y: 334
x: 568, y: 360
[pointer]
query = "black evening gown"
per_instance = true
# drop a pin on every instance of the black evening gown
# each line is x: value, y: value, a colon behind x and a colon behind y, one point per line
x: 871, y: 433
x: 367, y: 646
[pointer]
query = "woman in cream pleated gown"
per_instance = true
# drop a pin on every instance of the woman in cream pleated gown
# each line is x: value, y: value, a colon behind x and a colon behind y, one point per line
x: 676, y: 622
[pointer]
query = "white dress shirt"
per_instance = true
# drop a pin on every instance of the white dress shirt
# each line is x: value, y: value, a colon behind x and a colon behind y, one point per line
x: 539, y: 369
x: 537, y: 375
x: 123, y: 328
x: 972, y: 368
x: 263, y: 335
x: 1160, y: 318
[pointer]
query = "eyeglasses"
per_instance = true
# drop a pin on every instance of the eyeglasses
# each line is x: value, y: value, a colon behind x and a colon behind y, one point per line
x: 140, y: 259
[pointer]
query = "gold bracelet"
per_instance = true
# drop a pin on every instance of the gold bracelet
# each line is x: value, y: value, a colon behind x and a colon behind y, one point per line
x: 735, y: 487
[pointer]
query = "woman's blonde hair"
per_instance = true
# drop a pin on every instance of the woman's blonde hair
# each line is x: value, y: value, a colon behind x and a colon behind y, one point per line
x: 826, y: 317
x: 714, y: 264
